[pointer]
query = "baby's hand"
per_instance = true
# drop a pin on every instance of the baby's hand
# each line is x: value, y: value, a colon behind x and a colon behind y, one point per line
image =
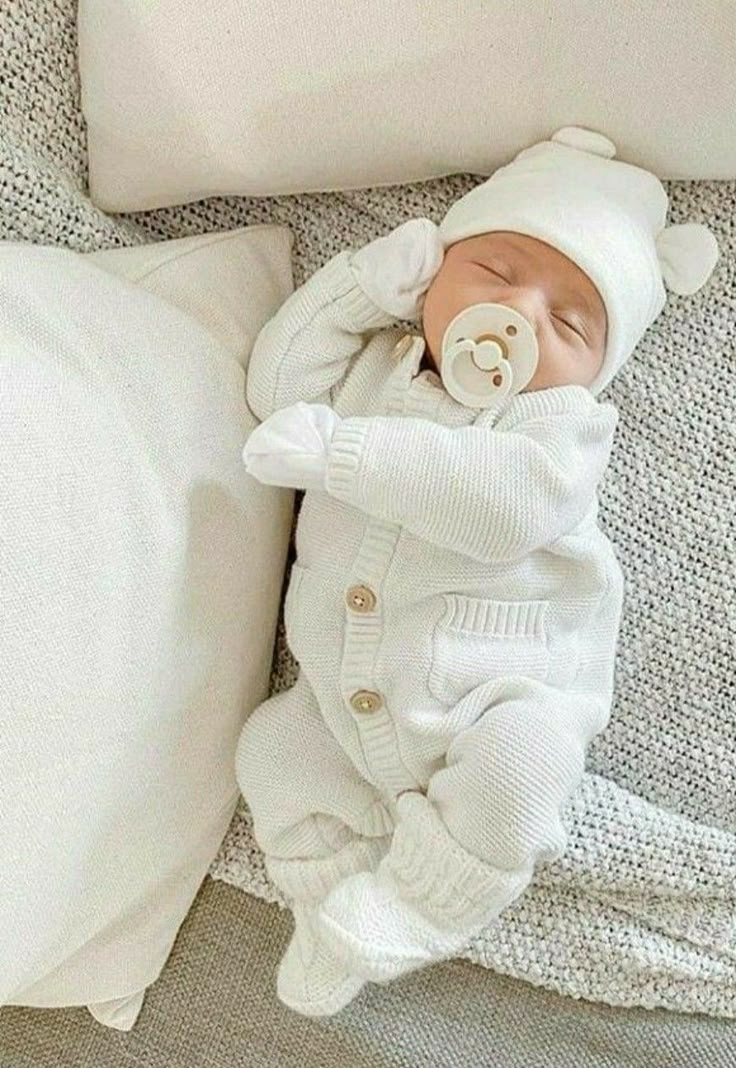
x: 396, y: 271
x: 290, y: 447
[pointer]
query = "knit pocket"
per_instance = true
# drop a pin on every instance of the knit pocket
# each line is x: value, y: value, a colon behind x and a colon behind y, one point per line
x: 478, y: 639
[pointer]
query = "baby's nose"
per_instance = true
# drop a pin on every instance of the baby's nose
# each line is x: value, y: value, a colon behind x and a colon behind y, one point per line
x: 530, y: 302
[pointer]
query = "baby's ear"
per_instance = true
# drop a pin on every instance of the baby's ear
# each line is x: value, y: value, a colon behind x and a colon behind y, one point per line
x: 687, y: 255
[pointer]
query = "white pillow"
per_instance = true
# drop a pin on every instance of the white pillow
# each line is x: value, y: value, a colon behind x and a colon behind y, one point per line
x: 278, y: 98
x: 140, y: 572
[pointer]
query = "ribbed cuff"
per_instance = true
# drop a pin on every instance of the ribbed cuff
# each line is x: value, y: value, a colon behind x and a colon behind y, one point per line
x: 503, y: 619
x: 434, y: 872
x: 312, y: 880
x: 358, y: 309
x: 343, y: 461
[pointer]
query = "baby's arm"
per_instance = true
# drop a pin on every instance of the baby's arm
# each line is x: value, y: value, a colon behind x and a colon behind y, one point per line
x: 303, y: 352
x: 489, y: 494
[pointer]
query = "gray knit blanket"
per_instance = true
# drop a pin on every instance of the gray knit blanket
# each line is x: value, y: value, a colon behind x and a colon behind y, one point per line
x: 642, y: 908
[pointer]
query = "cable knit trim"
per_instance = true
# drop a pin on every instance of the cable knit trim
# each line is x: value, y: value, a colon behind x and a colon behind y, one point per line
x: 434, y: 872
x: 312, y: 880
x: 346, y: 449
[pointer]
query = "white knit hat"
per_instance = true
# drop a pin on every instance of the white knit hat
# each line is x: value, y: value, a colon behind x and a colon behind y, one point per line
x: 608, y: 217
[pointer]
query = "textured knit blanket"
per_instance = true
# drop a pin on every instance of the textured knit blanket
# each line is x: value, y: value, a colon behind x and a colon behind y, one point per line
x: 642, y: 908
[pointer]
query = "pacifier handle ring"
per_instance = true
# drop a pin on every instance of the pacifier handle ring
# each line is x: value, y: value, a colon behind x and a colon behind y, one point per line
x: 463, y: 344
x: 500, y: 341
x: 495, y: 358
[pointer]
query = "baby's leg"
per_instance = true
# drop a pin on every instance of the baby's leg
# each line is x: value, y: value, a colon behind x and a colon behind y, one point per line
x: 314, y: 817
x: 465, y: 850
x: 317, y: 821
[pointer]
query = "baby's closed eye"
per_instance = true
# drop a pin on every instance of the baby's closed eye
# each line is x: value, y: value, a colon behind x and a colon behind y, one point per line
x: 570, y: 318
x: 498, y: 270
x: 574, y: 323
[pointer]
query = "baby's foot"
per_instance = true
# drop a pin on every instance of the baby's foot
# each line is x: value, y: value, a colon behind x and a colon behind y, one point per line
x: 310, y: 979
x: 377, y: 935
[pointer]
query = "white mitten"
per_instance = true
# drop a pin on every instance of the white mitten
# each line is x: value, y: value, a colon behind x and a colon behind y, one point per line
x: 290, y: 447
x: 396, y: 271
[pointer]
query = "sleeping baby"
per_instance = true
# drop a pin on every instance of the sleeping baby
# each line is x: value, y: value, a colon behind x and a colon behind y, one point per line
x: 454, y: 606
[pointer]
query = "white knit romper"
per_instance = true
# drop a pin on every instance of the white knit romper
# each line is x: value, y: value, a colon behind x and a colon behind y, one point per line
x: 454, y: 609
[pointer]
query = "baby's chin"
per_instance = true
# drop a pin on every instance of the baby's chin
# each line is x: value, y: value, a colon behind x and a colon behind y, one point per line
x: 544, y: 379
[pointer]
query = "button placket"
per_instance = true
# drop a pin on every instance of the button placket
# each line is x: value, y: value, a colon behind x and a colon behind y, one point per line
x: 364, y: 627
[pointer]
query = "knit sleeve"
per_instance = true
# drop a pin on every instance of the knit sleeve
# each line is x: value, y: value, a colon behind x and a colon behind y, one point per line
x: 303, y: 352
x: 494, y: 495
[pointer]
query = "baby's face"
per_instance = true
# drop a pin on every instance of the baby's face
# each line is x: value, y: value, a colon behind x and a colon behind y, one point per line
x: 548, y: 289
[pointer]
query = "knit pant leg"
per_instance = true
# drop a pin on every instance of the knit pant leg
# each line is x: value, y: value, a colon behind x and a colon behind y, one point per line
x: 465, y: 849
x: 500, y: 795
x: 314, y: 817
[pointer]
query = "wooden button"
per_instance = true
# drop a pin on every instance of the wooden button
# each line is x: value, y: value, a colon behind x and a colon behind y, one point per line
x: 360, y: 599
x: 402, y: 346
x: 366, y: 701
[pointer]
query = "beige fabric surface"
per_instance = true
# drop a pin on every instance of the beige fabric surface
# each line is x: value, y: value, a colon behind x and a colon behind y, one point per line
x: 270, y: 98
x: 214, y: 1007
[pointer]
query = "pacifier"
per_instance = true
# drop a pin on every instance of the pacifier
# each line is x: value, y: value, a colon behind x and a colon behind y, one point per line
x: 489, y: 351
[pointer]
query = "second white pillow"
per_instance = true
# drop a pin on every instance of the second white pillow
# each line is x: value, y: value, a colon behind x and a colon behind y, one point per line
x: 140, y: 569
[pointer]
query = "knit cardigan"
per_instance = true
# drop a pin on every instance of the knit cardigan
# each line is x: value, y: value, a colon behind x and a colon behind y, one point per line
x: 477, y: 534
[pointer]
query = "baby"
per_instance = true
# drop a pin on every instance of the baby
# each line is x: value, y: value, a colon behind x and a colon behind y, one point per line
x: 454, y: 606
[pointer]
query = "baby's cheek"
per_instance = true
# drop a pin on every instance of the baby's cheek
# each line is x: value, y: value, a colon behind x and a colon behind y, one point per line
x: 435, y: 316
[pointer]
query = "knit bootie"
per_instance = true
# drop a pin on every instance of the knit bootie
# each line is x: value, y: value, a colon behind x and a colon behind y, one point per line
x: 311, y: 980
x: 366, y: 925
x: 425, y: 901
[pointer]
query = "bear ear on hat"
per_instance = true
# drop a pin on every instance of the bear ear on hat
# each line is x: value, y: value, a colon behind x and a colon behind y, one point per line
x: 687, y: 254
x: 585, y: 141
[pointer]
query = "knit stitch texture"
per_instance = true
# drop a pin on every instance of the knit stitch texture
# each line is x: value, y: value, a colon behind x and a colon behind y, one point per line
x: 641, y: 910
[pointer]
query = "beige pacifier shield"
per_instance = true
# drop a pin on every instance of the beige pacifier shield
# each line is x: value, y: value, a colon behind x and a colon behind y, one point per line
x: 489, y: 351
